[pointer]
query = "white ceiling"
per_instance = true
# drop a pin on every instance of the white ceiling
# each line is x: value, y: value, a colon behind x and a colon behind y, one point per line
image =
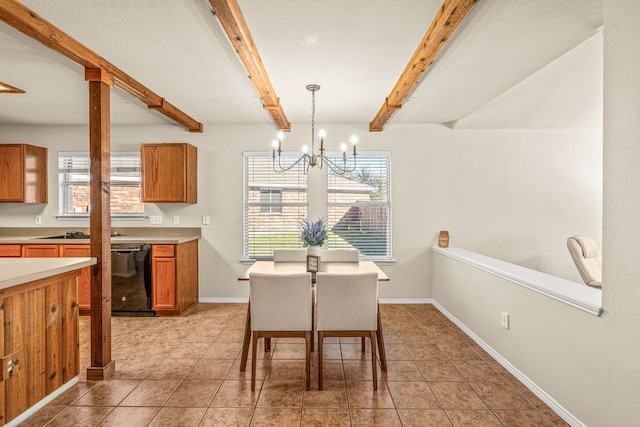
x: 511, y: 63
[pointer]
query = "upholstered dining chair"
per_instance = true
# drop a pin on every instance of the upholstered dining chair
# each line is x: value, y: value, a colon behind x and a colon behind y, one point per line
x: 289, y: 255
x: 339, y: 255
x: 280, y: 306
x: 347, y: 306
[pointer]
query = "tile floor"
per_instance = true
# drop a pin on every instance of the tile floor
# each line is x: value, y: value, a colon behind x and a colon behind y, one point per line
x: 185, y: 372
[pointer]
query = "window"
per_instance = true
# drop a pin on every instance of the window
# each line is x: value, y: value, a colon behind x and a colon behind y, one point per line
x: 74, y: 176
x: 274, y: 205
x: 271, y: 201
x: 357, y: 207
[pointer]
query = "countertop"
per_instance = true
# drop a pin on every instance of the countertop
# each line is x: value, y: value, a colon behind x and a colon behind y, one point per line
x: 17, y: 271
x: 138, y: 235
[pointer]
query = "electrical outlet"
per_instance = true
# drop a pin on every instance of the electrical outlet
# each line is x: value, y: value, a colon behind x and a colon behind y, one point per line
x: 205, y: 220
x: 155, y: 219
x: 38, y: 219
x: 505, y: 320
x: 176, y: 219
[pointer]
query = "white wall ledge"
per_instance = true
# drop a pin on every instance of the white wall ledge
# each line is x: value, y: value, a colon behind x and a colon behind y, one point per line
x: 571, y: 293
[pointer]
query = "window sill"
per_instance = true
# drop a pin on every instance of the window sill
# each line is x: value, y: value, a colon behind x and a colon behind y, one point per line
x: 571, y: 293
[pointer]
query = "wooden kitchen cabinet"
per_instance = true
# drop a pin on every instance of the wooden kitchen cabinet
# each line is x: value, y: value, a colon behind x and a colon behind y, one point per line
x: 14, y: 251
x: 23, y: 173
x: 169, y: 173
x: 84, y: 280
x: 39, y: 251
x: 174, y: 278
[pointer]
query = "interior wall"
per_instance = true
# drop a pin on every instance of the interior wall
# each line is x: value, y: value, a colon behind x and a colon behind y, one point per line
x: 588, y: 364
x: 509, y: 191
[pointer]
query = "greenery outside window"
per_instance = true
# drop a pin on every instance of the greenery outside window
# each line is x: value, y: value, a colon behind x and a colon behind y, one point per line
x: 74, y: 178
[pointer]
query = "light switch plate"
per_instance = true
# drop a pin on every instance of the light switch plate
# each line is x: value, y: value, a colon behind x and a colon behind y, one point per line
x: 176, y: 219
x: 205, y: 220
x: 155, y: 219
x: 505, y: 320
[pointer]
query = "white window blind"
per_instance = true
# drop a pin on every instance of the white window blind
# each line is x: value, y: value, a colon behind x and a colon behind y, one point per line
x: 359, y: 207
x: 274, y: 205
x: 74, y: 173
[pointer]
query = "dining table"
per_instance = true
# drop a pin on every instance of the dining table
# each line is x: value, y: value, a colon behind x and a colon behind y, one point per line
x: 278, y: 267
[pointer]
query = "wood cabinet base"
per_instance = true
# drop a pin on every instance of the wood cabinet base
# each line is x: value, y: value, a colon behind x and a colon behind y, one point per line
x: 41, y: 337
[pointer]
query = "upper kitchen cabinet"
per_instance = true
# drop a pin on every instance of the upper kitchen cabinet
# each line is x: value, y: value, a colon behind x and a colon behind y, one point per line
x: 169, y: 173
x: 23, y: 173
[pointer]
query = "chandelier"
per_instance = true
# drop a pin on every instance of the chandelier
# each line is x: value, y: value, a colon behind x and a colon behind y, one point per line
x: 312, y: 159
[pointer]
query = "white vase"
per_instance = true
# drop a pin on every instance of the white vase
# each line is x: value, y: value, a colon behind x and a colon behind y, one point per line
x: 313, y: 250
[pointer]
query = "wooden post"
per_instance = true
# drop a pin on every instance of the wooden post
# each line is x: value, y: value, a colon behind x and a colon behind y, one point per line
x: 102, y: 367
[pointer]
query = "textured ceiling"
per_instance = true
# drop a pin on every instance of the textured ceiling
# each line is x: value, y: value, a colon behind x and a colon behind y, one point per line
x: 490, y: 74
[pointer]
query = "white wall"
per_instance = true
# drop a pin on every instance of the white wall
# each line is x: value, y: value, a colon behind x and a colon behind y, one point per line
x: 589, y: 365
x: 518, y: 194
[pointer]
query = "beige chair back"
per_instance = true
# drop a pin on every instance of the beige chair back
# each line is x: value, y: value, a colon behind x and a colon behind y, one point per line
x: 339, y: 255
x: 587, y: 257
x: 280, y: 302
x: 347, y: 301
x: 289, y: 255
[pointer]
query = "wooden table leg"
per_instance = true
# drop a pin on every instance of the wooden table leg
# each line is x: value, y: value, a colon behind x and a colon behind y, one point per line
x: 383, y: 354
x: 246, y: 340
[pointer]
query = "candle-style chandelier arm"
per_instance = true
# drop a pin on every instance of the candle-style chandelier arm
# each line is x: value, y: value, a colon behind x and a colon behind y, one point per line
x: 341, y: 170
x: 282, y: 169
x: 314, y: 160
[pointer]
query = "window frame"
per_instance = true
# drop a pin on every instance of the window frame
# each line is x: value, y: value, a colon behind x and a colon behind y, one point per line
x: 387, y: 203
x: 319, y: 183
x: 64, y: 184
x: 285, y: 207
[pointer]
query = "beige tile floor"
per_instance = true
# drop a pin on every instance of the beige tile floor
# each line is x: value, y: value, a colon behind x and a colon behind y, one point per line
x: 185, y: 372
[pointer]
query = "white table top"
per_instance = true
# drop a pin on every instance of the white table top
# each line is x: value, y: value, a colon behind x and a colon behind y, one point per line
x: 270, y: 267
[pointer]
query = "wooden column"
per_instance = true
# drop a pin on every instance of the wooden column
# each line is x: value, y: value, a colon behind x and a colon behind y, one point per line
x: 102, y: 367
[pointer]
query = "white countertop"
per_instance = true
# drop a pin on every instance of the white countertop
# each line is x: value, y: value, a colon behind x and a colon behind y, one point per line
x: 42, y: 240
x: 17, y: 271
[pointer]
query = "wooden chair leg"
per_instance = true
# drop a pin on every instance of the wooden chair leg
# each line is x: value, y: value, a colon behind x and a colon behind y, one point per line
x: 383, y: 353
x: 246, y: 340
x: 320, y: 345
x: 374, y: 362
x: 307, y: 365
x: 253, y: 360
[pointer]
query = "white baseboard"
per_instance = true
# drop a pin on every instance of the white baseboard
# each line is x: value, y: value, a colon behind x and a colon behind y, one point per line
x: 382, y: 301
x: 405, y: 301
x: 224, y: 300
x: 552, y: 403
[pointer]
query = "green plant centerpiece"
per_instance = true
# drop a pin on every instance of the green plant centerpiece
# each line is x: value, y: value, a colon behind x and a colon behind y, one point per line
x: 313, y: 235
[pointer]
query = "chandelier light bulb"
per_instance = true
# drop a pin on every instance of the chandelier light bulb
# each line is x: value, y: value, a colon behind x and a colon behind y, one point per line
x: 343, y: 147
x: 280, y: 136
x: 322, y: 133
x: 354, y: 140
x: 274, y: 143
x: 305, y: 149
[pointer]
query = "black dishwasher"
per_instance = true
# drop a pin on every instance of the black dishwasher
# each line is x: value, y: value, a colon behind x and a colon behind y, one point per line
x: 131, y: 280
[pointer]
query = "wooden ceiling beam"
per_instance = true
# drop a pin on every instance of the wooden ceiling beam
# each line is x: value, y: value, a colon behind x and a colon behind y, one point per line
x: 444, y: 24
x: 233, y: 23
x: 15, y: 14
